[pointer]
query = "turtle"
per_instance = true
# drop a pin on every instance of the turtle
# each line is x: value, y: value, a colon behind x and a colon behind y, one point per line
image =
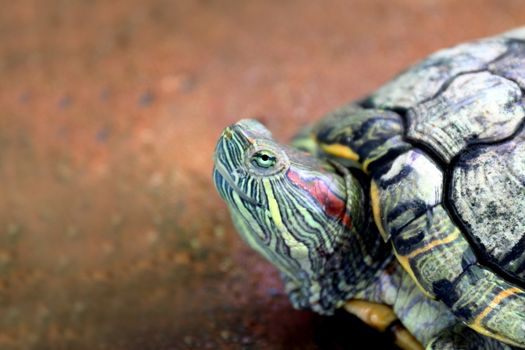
x: 405, y: 207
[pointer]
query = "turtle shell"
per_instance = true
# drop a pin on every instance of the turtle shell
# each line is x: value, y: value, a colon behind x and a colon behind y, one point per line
x: 464, y: 113
x: 444, y: 144
x: 464, y: 110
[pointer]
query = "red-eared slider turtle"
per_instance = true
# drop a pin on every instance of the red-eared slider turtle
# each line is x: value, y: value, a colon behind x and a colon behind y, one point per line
x: 433, y: 163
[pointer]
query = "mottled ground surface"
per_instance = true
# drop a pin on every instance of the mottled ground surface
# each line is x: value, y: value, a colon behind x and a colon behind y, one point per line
x: 111, y: 233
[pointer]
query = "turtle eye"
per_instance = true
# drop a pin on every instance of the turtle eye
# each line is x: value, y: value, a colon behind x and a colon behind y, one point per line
x: 263, y: 159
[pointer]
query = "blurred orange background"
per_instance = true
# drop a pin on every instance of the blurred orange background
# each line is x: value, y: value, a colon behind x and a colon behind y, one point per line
x: 111, y: 233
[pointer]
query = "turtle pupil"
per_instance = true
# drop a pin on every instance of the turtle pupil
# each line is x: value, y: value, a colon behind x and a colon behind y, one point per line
x: 265, y: 157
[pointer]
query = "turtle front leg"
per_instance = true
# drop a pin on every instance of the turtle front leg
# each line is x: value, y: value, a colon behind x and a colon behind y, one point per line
x: 376, y: 315
x: 383, y: 318
x: 461, y: 337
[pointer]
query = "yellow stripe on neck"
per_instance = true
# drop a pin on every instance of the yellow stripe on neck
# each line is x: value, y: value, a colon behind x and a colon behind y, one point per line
x: 298, y: 250
x: 273, y: 206
x: 341, y: 151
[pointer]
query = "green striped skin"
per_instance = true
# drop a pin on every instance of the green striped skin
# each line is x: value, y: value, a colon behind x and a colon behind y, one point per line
x: 373, y: 135
x: 300, y: 214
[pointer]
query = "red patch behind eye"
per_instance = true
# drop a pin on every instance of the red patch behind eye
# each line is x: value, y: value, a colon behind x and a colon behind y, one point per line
x: 318, y: 189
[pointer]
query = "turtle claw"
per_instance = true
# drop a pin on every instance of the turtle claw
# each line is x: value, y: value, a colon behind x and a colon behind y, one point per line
x: 383, y: 318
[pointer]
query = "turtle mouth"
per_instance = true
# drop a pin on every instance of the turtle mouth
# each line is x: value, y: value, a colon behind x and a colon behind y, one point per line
x: 223, y: 178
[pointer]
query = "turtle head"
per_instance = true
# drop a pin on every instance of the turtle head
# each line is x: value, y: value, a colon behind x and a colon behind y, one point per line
x: 293, y: 208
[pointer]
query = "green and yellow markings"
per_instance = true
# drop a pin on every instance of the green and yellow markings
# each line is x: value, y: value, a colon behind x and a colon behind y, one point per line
x: 273, y: 206
x: 405, y: 262
x: 241, y: 219
x: 435, y: 243
x: 340, y: 151
x: 366, y: 163
x: 405, y: 259
x: 298, y: 249
x: 376, y: 210
x: 345, y: 152
x: 493, y: 304
x: 244, y: 225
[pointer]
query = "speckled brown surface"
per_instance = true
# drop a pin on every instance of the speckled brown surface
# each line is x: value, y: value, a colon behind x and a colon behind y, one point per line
x: 112, y: 236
